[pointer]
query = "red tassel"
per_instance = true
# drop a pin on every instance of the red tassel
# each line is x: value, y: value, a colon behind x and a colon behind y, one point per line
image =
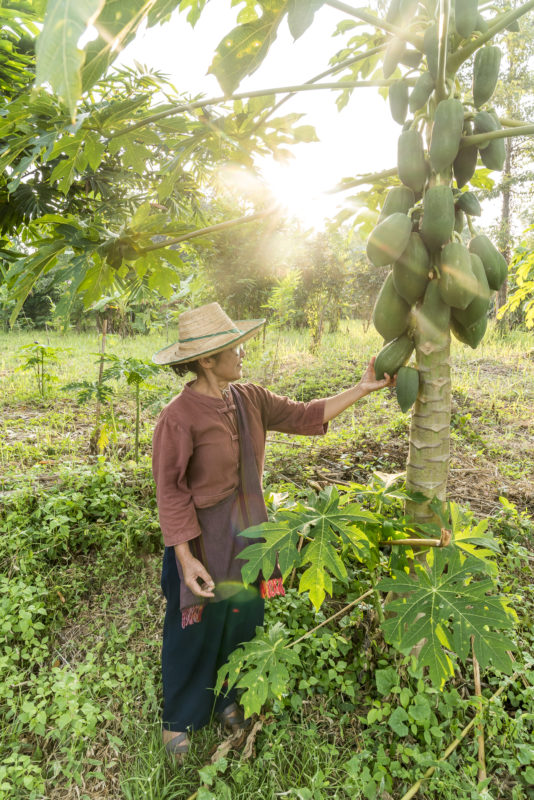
x: 191, y: 615
x: 274, y: 587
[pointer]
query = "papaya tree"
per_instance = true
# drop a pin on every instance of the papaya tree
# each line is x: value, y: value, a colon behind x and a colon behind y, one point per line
x: 439, y: 283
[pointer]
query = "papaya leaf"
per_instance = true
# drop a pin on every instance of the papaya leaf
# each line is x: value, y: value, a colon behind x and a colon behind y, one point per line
x: 446, y: 605
x: 242, y: 50
x: 59, y: 60
x: 300, y: 14
x: 279, y: 540
x: 260, y: 667
x: 474, y: 540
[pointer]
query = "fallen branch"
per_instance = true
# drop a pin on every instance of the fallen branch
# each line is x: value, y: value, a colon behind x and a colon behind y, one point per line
x: 452, y: 747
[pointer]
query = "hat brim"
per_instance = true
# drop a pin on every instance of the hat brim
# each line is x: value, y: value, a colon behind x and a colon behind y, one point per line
x: 170, y: 355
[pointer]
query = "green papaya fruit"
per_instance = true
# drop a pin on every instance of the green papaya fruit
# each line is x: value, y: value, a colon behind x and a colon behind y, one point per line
x: 468, y: 202
x: 494, y: 262
x: 399, y: 198
x: 398, y: 101
x: 485, y: 122
x: 431, y: 48
x: 392, y: 56
x: 459, y: 220
x: 411, y: 58
x: 388, y: 239
x: 472, y: 335
x: 410, y: 271
x: 457, y: 282
x: 465, y: 17
x: 465, y: 164
x: 485, y: 73
x: 407, y: 387
x: 478, y: 307
x: 423, y: 88
x: 494, y: 154
x: 391, y: 313
x: 438, y: 217
x: 446, y: 133
x: 411, y: 160
x: 393, y: 356
x: 433, y: 317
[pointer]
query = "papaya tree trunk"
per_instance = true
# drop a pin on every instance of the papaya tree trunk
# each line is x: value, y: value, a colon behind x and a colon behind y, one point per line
x: 429, y: 447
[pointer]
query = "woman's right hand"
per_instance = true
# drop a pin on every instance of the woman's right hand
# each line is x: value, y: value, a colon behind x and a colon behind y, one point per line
x: 196, y: 576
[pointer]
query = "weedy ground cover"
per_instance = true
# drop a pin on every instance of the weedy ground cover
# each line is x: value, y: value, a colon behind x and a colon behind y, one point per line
x: 81, y: 609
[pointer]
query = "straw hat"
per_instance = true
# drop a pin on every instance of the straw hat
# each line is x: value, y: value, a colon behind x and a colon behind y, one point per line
x: 205, y: 331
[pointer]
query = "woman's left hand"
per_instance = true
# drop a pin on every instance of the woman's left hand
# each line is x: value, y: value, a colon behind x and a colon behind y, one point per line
x: 368, y: 382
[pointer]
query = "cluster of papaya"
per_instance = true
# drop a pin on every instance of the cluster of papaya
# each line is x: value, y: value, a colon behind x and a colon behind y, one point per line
x: 438, y: 281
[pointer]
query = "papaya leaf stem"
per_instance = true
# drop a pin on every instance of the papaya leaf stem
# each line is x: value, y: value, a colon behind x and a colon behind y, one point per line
x: 220, y: 226
x: 503, y: 133
x: 213, y: 101
x: 370, y: 177
x: 499, y: 24
x: 365, y: 16
x: 441, y: 82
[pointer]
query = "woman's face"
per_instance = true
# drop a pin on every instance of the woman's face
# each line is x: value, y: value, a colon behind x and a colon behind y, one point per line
x: 229, y: 364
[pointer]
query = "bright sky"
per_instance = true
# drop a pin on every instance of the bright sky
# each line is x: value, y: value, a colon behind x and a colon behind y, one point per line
x: 361, y: 138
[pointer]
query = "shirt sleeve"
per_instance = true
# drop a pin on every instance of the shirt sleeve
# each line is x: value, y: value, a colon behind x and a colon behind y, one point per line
x: 171, y: 450
x: 290, y: 416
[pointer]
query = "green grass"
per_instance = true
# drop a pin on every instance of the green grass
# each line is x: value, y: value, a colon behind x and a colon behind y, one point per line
x: 80, y: 555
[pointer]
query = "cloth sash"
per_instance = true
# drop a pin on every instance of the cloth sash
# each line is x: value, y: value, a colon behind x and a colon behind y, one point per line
x: 219, y: 545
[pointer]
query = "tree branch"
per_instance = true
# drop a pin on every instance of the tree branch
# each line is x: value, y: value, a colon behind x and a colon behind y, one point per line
x: 365, y: 16
x: 302, y: 87
x: 337, y: 68
x: 503, y: 133
x: 441, y: 83
x: 370, y: 177
x: 499, y: 24
x: 220, y: 226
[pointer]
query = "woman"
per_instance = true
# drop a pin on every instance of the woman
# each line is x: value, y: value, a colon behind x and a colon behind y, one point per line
x: 208, y: 453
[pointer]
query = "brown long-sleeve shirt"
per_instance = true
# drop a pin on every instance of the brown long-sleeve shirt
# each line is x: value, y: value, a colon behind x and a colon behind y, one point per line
x: 195, y: 458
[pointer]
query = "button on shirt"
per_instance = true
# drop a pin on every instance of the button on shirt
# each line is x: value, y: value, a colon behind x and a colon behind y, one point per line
x: 195, y: 459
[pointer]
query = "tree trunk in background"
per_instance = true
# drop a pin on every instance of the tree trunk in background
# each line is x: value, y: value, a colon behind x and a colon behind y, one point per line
x: 428, y: 457
x: 505, y: 233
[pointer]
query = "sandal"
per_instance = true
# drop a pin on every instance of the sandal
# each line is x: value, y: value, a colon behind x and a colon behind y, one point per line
x: 233, y: 719
x: 178, y: 746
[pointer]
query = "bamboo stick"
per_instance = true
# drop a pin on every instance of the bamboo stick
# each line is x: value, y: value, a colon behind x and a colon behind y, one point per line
x: 482, y: 774
x: 443, y: 541
x: 337, y: 614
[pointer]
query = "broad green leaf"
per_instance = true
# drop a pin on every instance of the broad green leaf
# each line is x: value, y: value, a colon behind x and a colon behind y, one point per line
x: 59, y: 60
x: 397, y: 722
x: 386, y: 679
x: 300, y: 14
x: 446, y: 605
x: 260, y: 667
x: 116, y: 24
x: 279, y: 540
x: 94, y: 149
x: 324, y: 560
x: 242, y: 50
